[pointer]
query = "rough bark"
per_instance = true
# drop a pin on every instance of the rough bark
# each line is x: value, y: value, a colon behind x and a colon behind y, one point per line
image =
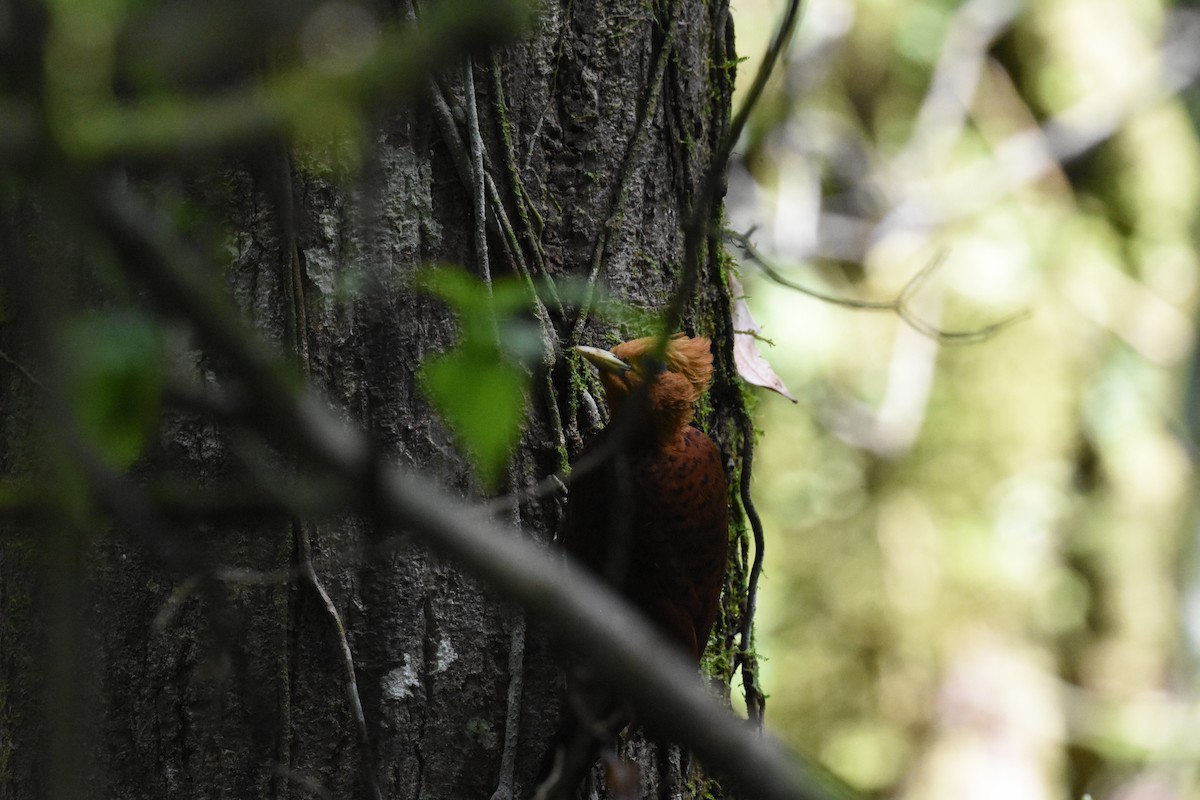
x: 160, y: 679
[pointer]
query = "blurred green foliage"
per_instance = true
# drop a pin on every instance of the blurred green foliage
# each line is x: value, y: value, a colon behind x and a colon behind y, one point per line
x: 479, y: 385
x: 129, y: 79
x: 112, y: 364
x: 981, y: 578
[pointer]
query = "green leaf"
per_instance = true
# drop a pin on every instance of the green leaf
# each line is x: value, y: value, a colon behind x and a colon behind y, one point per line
x: 482, y: 398
x: 479, y: 385
x: 113, y: 366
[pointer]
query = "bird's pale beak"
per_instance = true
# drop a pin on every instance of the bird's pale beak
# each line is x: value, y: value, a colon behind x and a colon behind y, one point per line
x: 603, y: 359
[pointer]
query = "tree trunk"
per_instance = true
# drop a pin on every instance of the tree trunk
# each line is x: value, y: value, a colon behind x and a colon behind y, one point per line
x: 127, y: 671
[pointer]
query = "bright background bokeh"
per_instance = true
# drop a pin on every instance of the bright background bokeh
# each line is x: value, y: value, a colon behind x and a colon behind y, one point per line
x: 981, y: 578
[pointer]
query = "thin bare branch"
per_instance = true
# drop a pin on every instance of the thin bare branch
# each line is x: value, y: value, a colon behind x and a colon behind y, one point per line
x: 901, y: 305
x: 478, y: 182
x: 746, y: 658
x: 353, y: 697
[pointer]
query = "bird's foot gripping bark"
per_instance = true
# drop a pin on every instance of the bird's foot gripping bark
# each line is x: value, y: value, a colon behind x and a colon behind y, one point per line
x: 584, y: 737
x: 571, y: 765
x: 624, y: 778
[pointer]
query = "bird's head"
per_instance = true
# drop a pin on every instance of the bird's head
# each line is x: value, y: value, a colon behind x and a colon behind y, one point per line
x: 680, y: 377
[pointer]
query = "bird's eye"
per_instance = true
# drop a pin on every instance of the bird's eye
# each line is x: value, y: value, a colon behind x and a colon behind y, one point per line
x: 648, y: 365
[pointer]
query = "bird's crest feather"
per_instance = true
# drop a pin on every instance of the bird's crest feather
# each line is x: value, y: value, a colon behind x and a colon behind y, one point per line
x: 690, y: 357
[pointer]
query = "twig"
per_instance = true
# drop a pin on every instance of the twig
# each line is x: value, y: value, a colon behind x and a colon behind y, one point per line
x: 524, y: 204
x: 779, y: 43
x: 309, y: 573
x: 448, y: 128
x: 478, y: 184
x: 462, y: 161
x: 512, y: 723
x: 697, y: 224
x: 506, y: 780
x: 900, y: 305
x: 746, y: 658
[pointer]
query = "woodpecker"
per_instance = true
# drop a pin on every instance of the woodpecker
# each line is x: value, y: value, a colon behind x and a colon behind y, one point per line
x: 677, y: 540
x: 650, y: 518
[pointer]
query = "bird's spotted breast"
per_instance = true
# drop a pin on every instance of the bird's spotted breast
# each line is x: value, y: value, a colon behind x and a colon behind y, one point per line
x: 674, y: 481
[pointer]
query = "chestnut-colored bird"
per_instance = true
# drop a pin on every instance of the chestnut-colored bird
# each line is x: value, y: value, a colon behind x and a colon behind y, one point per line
x: 671, y: 564
x: 651, y: 519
